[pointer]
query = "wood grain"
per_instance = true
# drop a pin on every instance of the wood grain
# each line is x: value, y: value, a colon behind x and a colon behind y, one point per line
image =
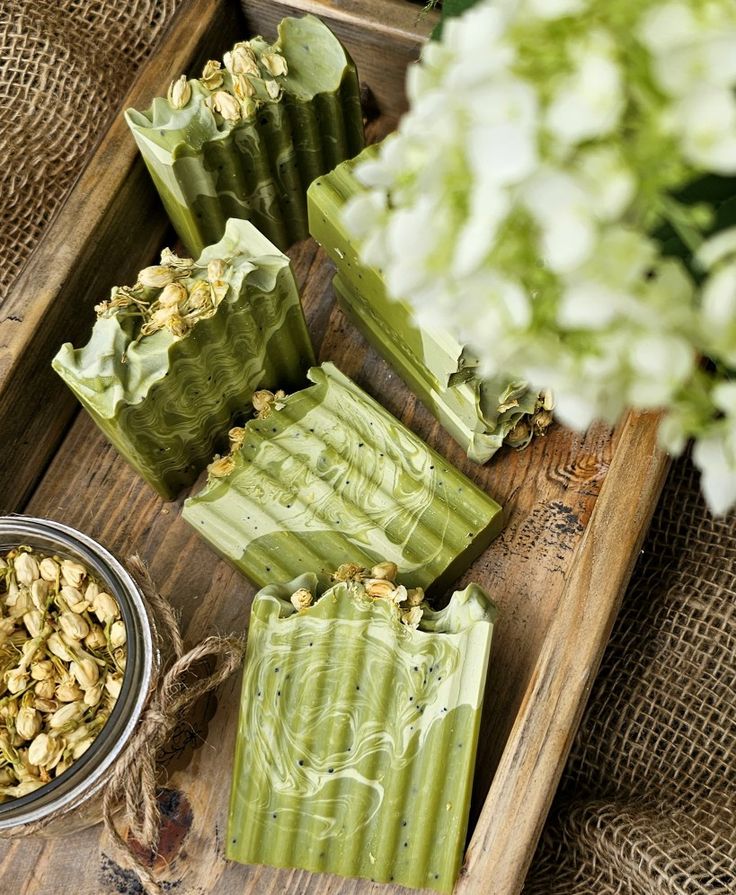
x: 577, y: 507
x: 111, y: 220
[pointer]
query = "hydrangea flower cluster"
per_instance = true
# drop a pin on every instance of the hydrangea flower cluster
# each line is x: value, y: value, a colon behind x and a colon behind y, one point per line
x: 551, y: 197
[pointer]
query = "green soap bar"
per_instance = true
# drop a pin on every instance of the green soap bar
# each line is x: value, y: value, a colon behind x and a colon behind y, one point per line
x: 357, y: 735
x: 332, y: 474
x: 469, y: 411
x: 166, y: 402
x: 477, y: 412
x: 437, y: 351
x: 207, y: 168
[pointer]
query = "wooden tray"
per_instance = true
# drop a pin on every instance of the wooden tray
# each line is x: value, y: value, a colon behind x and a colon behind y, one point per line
x: 578, y: 505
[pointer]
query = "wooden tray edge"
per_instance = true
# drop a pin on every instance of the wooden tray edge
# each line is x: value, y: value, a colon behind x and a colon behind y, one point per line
x: 532, y: 762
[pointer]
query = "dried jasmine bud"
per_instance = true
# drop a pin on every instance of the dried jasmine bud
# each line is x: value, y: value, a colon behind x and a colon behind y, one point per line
x: 221, y: 467
x: 275, y: 64
x: 226, y: 105
x: 212, y: 75
x: 179, y: 93
x: 26, y: 569
x: 63, y: 669
x: 387, y: 570
x: 302, y: 598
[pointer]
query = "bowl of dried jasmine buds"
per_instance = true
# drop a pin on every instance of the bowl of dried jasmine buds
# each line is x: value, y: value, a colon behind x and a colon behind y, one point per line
x: 76, y: 662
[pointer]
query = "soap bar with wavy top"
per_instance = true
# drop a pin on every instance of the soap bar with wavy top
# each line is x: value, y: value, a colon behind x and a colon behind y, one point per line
x: 166, y: 401
x: 357, y: 735
x: 259, y: 163
x: 333, y: 474
x: 478, y: 413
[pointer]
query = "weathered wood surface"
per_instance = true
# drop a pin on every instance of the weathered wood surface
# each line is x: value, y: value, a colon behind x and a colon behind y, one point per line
x: 577, y: 508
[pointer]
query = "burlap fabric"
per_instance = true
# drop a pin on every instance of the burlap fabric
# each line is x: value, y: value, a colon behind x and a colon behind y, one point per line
x: 65, y: 65
x: 647, y: 804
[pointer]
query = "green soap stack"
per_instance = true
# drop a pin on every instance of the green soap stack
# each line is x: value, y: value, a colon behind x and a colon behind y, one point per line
x: 332, y: 474
x: 357, y: 735
x: 477, y: 412
x: 246, y: 140
x: 166, y: 399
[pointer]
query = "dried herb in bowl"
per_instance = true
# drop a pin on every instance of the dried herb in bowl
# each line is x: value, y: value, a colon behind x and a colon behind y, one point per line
x: 62, y: 659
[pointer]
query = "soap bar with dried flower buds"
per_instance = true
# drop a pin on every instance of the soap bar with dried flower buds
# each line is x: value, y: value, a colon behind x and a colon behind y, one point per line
x: 480, y: 413
x: 175, y: 357
x: 62, y: 660
x: 326, y: 472
x: 248, y: 136
x: 359, y: 721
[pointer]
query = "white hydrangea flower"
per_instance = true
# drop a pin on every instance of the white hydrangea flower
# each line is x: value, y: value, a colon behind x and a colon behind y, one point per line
x: 519, y: 203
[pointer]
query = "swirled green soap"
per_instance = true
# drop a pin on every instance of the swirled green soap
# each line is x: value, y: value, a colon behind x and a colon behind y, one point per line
x: 332, y: 474
x: 175, y: 358
x: 358, y: 731
x: 479, y: 413
x: 248, y: 137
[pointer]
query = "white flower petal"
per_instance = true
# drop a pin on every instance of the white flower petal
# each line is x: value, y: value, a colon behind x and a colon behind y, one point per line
x: 504, y: 153
x: 706, y: 121
x: 610, y: 184
x: 554, y: 9
x: 666, y: 26
x: 567, y: 242
x: 718, y: 473
x: 587, y: 305
x: 719, y: 298
x: 587, y: 103
x: 717, y: 248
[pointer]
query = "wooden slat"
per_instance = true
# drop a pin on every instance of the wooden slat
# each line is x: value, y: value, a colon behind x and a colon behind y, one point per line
x: 537, y: 748
x: 111, y: 220
x: 383, y: 37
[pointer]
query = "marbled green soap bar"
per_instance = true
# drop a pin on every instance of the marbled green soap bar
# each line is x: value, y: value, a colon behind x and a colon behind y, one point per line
x: 478, y: 413
x: 166, y: 400
x: 333, y: 474
x: 357, y: 735
x: 247, y: 140
x: 475, y: 412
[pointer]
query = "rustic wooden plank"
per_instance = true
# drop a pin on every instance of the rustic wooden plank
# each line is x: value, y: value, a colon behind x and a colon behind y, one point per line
x: 383, y: 37
x: 537, y: 748
x: 111, y: 220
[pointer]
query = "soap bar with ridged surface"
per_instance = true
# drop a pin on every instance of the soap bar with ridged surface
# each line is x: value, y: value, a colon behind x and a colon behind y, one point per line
x: 258, y: 165
x: 478, y: 413
x: 166, y: 402
x: 333, y: 474
x: 357, y: 735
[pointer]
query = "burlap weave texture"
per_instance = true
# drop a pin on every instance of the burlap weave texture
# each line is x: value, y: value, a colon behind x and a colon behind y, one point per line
x: 647, y: 805
x: 65, y: 65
